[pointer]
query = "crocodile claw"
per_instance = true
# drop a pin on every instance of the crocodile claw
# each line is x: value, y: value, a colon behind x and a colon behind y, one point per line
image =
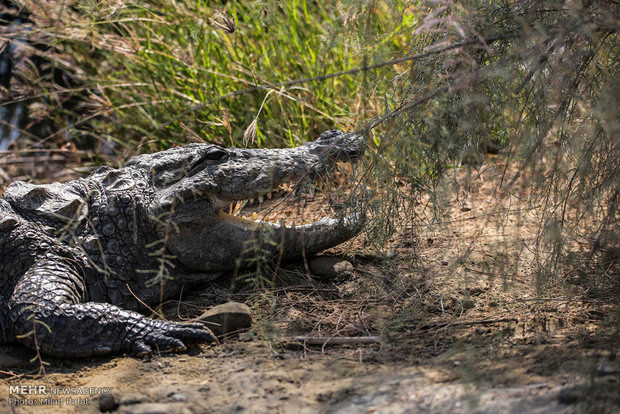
x: 170, y: 337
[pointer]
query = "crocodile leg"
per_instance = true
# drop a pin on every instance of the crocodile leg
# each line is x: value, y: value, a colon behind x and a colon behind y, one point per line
x: 48, y: 312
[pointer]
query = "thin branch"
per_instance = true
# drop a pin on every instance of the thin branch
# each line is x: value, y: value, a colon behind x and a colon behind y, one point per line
x: 339, y: 340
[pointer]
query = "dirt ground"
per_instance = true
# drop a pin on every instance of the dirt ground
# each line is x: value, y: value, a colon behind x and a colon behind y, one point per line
x: 457, y: 306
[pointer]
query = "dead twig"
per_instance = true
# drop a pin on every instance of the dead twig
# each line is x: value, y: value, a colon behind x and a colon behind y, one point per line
x: 140, y: 300
x: 338, y: 340
x: 466, y: 323
x: 44, y: 150
x: 10, y: 375
x: 36, y: 159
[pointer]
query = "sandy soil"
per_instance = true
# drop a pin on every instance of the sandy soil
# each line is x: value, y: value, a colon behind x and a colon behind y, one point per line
x: 462, y: 326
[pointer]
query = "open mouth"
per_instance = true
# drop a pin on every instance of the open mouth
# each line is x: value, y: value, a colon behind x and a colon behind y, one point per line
x: 270, y: 210
x: 286, y: 225
x: 284, y: 206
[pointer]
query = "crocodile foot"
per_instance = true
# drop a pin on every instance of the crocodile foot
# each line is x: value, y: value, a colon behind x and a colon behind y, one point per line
x: 166, y: 336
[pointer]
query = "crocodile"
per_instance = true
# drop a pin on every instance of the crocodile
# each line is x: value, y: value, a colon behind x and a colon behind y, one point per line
x: 81, y: 261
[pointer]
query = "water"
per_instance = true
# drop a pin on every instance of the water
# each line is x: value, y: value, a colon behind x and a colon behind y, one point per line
x: 13, y: 117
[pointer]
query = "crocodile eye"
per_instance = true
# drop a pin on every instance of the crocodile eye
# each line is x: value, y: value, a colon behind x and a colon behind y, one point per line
x: 214, y: 153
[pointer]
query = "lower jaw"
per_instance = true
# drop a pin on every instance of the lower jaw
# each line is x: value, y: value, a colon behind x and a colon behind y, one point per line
x: 255, y: 223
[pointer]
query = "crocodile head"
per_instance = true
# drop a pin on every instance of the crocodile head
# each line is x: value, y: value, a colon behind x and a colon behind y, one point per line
x: 195, y: 185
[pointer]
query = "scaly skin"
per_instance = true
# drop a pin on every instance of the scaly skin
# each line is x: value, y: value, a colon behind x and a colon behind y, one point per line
x: 79, y: 259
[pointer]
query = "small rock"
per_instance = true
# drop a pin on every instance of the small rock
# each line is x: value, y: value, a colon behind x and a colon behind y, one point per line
x: 178, y: 397
x: 537, y: 386
x: 467, y: 303
x: 324, y: 397
x: 155, y: 408
x: 444, y: 263
x: 465, y: 209
x: 603, y: 370
x: 107, y: 402
x: 227, y: 318
x: 569, y: 396
x: 328, y: 267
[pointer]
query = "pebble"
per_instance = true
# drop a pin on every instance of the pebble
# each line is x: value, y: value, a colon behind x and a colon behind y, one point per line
x: 178, y: 397
x: 569, y: 396
x: 329, y: 267
x: 467, y: 303
x: 603, y: 370
x: 107, y: 402
x: 155, y: 408
x: 227, y: 318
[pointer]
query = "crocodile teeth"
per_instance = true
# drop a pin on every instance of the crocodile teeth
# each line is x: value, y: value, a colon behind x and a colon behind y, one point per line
x: 238, y: 207
x: 269, y: 196
x: 255, y: 216
x: 261, y: 199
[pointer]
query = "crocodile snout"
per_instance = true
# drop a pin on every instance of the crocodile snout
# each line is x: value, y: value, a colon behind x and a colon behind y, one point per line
x: 343, y: 146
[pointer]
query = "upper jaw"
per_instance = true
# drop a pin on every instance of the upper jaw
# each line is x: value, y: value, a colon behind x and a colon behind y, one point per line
x: 272, y: 168
x: 247, y: 174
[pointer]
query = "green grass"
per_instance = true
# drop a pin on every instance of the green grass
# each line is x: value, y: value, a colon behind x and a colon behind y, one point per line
x: 170, y: 72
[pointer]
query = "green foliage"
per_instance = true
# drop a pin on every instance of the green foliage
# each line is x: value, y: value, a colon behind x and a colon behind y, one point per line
x: 536, y: 79
x: 171, y: 71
